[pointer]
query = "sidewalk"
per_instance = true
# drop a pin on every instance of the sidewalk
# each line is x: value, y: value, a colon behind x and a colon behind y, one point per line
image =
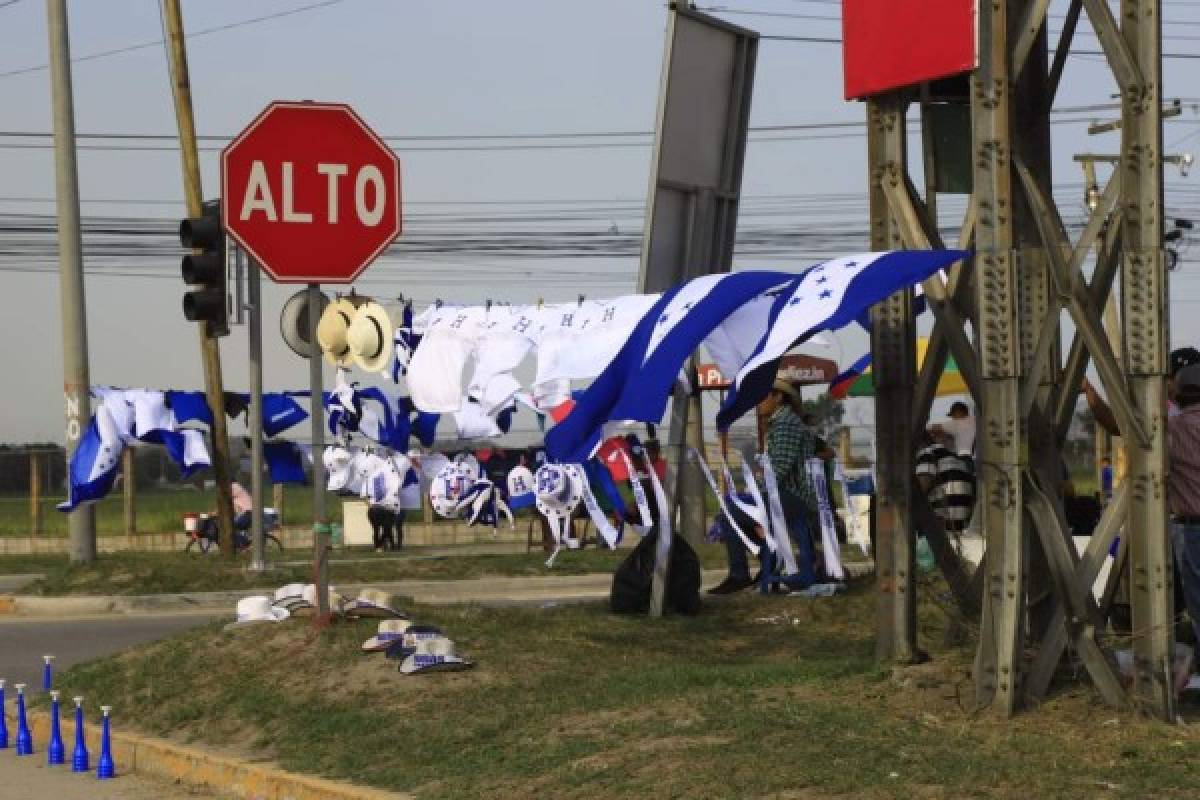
x: 29, y: 777
x: 491, y: 591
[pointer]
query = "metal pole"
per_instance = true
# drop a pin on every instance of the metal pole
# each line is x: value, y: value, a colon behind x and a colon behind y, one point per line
x: 258, y: 560
x: 893, y: 349
x: 1144, y: 283
x: 321, y: 531
x: 81, y: 523
x: 181, y: 91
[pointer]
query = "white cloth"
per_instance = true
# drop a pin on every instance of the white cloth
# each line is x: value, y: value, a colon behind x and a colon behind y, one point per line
x: 473, y: 423
x: 150, y: 412
x: 963, y: 433
x: 435, y: 372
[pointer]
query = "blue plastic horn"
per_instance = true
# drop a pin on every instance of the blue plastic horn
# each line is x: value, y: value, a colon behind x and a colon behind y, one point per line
x: 47, y: 674
x: 24, y: 738
x: 3, y: 721
x: 79, y: 759
x: 105, y: 768
x: 55, y: 752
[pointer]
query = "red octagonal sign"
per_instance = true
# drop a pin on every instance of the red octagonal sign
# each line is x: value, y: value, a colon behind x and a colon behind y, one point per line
x: 310, y: 192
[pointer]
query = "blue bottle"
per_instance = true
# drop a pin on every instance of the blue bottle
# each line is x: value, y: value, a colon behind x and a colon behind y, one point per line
x: 55, y: 752
x: 79, y: 759
x: 24, y: 738
x: 105, y: 768
x: 3, y: 721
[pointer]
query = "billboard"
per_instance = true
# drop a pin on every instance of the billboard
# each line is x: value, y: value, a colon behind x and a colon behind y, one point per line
x: 887, y: 44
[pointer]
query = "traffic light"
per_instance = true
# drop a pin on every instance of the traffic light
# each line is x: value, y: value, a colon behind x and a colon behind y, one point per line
x: 208, y: 303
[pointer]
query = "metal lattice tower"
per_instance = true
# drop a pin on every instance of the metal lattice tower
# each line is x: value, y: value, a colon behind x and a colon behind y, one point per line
x: 1032, y: 593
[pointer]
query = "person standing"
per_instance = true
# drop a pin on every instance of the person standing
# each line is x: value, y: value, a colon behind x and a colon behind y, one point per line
x: 383, y: 524
x: 1183, y: 487
x: 946, y: 480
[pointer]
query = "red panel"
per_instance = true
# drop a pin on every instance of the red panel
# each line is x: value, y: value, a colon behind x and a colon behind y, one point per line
x: 892, y: 43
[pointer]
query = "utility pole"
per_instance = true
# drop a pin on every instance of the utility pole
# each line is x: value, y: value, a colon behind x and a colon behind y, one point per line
x: 258, y: 560
x: 81, y: 523
x: 181, y: 91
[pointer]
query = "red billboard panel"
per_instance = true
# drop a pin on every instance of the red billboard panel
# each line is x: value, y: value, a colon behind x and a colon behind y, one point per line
x: 892, y: 43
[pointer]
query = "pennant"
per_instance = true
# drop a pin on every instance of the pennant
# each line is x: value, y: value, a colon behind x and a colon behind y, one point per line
x: 840, y: 386
x: 831, y: 551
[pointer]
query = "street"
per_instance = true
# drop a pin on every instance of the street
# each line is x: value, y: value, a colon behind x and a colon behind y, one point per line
x: 23, y: 642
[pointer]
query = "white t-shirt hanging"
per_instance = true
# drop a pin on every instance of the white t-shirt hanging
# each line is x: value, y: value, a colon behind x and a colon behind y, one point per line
x: 435, y: 372
x: 577, y: 341
x: 504, y: 340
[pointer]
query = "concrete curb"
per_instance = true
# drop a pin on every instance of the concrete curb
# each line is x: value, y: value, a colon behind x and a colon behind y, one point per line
x: 193, y: 766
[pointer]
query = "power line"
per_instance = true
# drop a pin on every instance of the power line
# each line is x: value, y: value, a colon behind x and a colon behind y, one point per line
x: 195, y: 34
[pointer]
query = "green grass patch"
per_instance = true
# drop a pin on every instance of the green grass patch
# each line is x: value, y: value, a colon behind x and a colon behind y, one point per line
x: 755, y: 697
x: 129, y: 572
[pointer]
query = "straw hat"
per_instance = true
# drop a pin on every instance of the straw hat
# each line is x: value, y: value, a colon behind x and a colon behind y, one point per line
x: 392, y: 632
x: 374, y: 603
x: 332, y: 330
x: 370, y: 337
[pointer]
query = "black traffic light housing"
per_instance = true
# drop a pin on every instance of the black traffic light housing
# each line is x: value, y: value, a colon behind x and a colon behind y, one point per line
x: 206, y: 269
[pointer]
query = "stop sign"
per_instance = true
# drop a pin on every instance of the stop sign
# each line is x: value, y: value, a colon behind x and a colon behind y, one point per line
x: 310, y: 192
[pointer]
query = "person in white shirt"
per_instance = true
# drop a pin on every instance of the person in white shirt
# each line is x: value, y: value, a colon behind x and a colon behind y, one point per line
x: 960, y: 427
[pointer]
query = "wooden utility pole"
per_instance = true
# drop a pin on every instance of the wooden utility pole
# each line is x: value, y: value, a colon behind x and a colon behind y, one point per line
x: 181, y: 91
x: 35, y: 493
x: 128, y: 470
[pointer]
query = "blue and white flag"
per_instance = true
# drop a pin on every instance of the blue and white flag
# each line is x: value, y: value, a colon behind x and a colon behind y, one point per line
x: 636, y: 384
x: 826, y: 297
x: 94, y: 464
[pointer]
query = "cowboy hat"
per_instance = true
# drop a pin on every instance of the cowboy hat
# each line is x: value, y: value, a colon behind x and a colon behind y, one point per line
x: 293, y: 323
x: 559, y: 489
x: 370, y: 337
x: 434, y: 655
x: 289, y: 596
x: 257, y: 608
x: 784, y: 387
x: 332, y: 329
x: 408, y: 642
x: 374, y: 603
x: 392, y: 632
x: 308, y: 605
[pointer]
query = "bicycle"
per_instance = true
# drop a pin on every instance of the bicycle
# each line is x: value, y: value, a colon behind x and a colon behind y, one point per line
x: 204, y: 537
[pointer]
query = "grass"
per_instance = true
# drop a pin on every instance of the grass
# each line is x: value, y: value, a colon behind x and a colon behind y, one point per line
x: 128, y: 573
x: 755, y: 697
x: 158, y: 510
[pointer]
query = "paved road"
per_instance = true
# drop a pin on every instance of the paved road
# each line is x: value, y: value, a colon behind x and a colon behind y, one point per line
x: 24, y: 640
x: 29, y: 778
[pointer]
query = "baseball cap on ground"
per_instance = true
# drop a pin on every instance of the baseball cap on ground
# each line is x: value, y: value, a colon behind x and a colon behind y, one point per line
x: 1182, y: 357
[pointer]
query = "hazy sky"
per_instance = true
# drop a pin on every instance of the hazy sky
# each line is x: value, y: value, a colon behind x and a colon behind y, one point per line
x: 424, y: 68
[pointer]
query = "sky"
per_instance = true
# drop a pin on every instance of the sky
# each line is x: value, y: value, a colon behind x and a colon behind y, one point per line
x: 452, y: 72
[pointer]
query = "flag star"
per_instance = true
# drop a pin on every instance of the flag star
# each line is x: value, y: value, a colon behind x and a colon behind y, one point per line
x: 851, y: 264
x: 662, y: 320
x: 826, y: 294
x: 795, y: 301
x: 822, y: 279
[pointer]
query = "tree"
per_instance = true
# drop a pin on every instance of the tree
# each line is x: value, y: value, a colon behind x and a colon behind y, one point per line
x: 827, y: 412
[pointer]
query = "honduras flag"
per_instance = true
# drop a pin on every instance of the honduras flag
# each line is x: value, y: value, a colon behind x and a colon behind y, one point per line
x: 636, y: 383
x: 93, y: 467
x: 826, y: 297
